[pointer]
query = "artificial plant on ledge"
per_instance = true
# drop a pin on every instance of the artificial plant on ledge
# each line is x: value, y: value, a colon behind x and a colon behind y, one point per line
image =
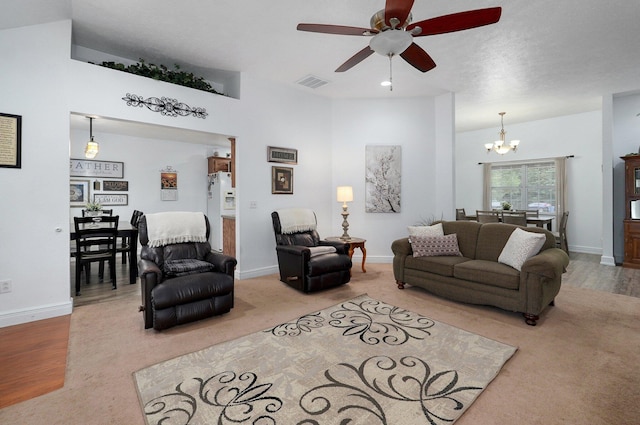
x: 162, y: 73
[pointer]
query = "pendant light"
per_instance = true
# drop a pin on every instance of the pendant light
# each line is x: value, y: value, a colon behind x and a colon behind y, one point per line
x: 92, y: 148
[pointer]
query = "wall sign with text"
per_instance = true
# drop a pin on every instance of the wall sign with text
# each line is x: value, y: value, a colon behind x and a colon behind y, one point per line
x: 90, y: 168
x: 111, y: 199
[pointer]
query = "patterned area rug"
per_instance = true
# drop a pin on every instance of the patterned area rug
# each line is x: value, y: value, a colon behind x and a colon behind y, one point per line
x: 359, y: 362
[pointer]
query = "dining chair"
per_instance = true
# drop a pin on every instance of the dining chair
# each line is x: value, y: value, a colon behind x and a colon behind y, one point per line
x: 95, y: 242
x: 515, y: 217
x: 561, y: 234
x: 461, y: 214
x: 484, y: 216
x: 125, y: 244
x: 532, y: 213
x: 102, y: 212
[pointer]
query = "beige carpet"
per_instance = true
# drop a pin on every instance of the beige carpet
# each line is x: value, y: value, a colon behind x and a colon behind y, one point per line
x: 361, y: 362
x: 578, y: 366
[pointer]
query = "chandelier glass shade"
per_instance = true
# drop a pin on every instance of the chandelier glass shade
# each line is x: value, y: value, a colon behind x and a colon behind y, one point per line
x: 92, y: 148
x: 500, y: 146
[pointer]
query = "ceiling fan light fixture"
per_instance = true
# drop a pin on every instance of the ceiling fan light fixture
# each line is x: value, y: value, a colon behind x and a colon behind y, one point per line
x: 391, y: 42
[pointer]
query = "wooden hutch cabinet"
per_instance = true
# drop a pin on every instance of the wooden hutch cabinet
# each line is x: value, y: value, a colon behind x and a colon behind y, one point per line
x: 632, y: 211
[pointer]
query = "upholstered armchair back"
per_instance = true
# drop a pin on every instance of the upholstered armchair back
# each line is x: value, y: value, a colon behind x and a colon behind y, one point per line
x: 177, y: 251
x: 305, y: 238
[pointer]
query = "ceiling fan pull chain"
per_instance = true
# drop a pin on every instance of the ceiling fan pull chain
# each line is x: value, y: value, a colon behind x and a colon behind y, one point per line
x: 390, y: 73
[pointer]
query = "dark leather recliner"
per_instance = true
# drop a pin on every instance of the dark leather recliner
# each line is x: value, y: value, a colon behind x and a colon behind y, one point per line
x: 301, y: 268
x: 171, y: 297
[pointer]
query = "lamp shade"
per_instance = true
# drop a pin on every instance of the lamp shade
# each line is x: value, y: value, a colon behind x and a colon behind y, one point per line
x: 344, y: 194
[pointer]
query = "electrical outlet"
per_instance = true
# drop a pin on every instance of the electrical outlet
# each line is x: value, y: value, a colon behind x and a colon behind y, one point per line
x: 5, y: 286
x: 253, y: 204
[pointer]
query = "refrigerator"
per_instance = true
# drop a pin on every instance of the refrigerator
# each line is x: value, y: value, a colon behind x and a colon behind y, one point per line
x: 221, y: 201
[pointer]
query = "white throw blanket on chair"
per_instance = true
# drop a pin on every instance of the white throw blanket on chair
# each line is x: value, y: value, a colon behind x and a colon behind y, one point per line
x: 293, y: 220
x: 175, y: 227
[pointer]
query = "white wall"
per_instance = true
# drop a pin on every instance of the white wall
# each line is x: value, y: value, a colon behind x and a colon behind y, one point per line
x: 626, y: 139
x: 33, y: 200
x: 277, y: 116
x: 143, y: 159
x: 579, y: 135
x: 410, y: 123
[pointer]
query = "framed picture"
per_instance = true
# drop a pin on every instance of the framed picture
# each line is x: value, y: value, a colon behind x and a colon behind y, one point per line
x: 90, y: 168
x: 115, y: 185
x: 285, y: 155
x: 111, y: 198
x: 282, y: 180
x: 10, y: 141
x: 78, y: 193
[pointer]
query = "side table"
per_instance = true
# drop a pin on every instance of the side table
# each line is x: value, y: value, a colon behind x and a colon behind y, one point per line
x: 353, y: 244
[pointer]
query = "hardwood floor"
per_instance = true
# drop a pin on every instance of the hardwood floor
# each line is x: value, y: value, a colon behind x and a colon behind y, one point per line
x: 33, y: 359
x: 585, y: 271
x: 33, y: 355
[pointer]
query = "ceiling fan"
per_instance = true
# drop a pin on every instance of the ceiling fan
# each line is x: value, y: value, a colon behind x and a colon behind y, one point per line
x: 393, y: 32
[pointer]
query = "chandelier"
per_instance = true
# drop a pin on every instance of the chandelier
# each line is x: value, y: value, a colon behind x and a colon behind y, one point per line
x: 499, y: 146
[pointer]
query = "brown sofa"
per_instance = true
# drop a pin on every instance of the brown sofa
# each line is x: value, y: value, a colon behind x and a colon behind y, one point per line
x: 477, y: 277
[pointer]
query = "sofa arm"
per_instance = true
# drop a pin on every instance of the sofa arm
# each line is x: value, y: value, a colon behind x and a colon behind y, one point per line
x: 401, y: 249
x: 150, y: 277
x: 549, y: 263
x: 224, y: 263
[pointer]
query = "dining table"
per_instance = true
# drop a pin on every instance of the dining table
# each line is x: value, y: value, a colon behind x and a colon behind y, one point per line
x: 125, y: 230
x: 538, y: 221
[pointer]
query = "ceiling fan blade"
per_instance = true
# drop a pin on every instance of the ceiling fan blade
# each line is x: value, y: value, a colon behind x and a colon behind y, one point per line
x: 355, y: 59
x: 457, y: 21
x: 336, y: 29
x: 397, y: 9
x: 418, y: 58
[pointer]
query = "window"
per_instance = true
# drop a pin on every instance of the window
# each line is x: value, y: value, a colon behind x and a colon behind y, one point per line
x: 526, y: 186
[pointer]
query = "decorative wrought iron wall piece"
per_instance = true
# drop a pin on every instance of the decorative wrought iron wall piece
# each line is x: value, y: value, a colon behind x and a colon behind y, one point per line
x: 165, y: 105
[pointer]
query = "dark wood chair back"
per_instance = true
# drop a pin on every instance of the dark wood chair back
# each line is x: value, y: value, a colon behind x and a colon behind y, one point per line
x: 96, y: 239
x: 515, y: 217
x: 484, y: 216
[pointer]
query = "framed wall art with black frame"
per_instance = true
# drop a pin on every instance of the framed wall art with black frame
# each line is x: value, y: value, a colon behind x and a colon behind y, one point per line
x: 10, y: 141
x: 79, y: 193
x: 284, y: 155
x: 282, y: 180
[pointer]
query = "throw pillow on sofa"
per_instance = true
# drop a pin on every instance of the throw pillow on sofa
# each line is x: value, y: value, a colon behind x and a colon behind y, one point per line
x: 434, y: 230
x: 433, y: 246
x: 521, y: 246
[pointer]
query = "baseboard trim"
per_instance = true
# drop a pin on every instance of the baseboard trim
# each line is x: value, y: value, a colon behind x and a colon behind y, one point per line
x: 607, y: 261
x: 18, y: 317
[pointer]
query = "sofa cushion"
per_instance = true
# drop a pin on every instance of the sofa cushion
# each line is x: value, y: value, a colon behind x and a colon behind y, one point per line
x: 434, y: 230
x: 520, y: 247
x: 488, y: 273
x: 186, y: 266
x: 467, y: 232
x: 442, y: 266
x: 433, y: 246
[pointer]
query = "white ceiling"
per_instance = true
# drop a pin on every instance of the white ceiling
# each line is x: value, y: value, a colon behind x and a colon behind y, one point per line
x: 544, y: 58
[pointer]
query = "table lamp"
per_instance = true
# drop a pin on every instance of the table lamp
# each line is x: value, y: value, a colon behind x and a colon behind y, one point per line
x: 344, y: 195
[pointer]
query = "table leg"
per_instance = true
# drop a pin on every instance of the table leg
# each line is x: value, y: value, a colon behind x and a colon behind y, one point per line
x: 133, y: 259
x: 364, y: 257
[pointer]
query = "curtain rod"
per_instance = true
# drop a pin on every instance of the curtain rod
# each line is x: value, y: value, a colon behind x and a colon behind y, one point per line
x: 529, y: 160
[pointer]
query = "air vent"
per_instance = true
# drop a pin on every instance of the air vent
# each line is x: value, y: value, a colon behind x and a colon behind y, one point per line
x: 311, y: 82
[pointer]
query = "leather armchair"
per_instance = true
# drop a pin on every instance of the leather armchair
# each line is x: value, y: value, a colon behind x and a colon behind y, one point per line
x: 303, y: 264
x: 172, y: 298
